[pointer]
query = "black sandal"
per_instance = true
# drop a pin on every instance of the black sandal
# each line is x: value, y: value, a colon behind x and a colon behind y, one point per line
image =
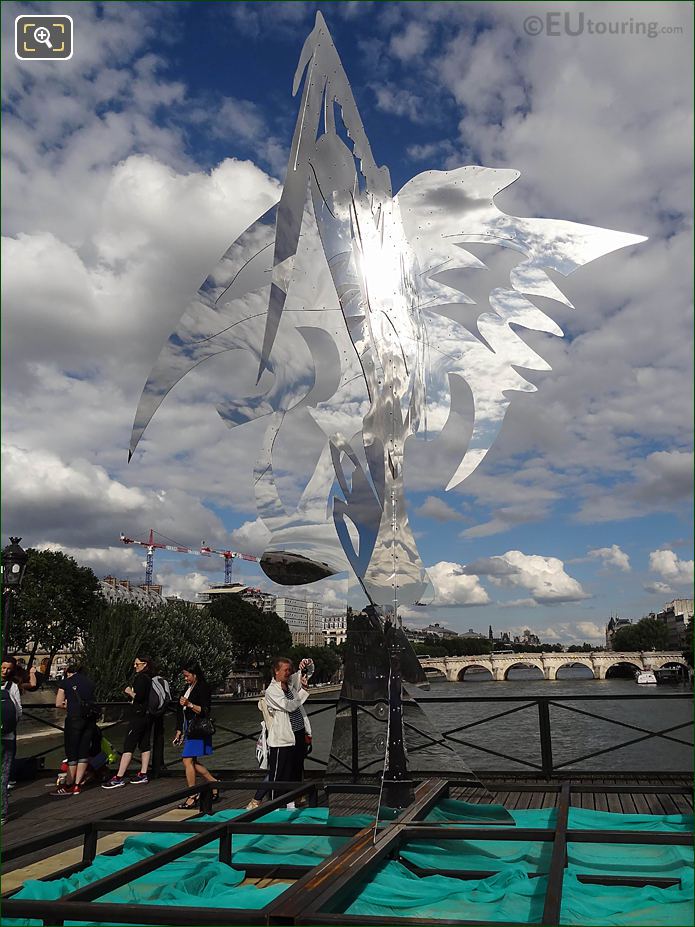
x: 189, y: 803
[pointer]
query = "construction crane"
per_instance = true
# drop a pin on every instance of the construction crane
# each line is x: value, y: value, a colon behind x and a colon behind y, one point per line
x: 229, y: 557
x: 152, y: 545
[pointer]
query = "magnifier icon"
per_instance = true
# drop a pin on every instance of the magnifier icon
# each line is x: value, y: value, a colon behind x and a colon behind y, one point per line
x: 43, y: 35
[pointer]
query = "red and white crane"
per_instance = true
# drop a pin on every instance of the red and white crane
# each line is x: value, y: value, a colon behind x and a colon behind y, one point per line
x: 152, y: 546
x: 229, y: 557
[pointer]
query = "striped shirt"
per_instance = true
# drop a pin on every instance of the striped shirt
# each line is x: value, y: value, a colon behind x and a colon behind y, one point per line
x: 296, y: 717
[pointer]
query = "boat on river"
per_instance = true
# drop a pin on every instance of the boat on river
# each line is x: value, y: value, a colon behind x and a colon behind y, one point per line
x: 646, y: 677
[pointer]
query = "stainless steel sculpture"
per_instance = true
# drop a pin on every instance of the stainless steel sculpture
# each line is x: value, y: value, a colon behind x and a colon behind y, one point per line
x: 370, y: 322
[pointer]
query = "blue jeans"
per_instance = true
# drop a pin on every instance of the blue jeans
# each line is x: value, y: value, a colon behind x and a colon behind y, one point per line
x: 9, y: 749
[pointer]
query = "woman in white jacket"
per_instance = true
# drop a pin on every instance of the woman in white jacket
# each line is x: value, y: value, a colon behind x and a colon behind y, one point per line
x: 289, y: 737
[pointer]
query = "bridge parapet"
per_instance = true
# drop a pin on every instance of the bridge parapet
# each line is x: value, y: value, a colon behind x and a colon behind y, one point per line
x: 599, y: 662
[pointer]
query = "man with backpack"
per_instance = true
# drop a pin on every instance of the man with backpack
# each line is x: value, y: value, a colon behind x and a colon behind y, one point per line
x: 11, y: 714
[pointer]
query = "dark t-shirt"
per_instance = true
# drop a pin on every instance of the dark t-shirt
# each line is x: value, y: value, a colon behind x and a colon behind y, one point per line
x: 142, y: 685
x: 85, y: 690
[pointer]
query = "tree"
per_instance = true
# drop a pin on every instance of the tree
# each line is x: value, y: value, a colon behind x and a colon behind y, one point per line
x: 688, y: 645
x: 256, y: 636
x: 170, y: 634
x: 326, y: 661
x: 646, y: 634
x: 109, y: 646
x: 58, y: 601
x: 180, y: 631
x: 467, y: 646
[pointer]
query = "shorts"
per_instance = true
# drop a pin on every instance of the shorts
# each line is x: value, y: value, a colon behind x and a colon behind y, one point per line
x: 138, y: 734
x: 78, y: 739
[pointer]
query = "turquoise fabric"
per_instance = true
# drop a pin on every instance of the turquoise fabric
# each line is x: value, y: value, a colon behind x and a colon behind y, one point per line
x: 509, y: 895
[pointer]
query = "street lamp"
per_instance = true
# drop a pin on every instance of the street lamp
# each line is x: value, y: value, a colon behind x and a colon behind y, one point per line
x: 14, y: 564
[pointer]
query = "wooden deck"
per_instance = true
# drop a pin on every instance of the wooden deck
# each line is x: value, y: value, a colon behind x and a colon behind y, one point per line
x: 35, y: 815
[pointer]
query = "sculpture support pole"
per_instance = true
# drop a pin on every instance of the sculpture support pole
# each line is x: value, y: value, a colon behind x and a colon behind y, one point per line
x: 398, y: 788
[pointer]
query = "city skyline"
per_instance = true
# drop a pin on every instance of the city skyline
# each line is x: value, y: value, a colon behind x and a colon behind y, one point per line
x: 582, y: 509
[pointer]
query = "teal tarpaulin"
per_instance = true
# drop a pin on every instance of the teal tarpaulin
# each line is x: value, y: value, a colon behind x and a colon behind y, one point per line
x: 510, y: 895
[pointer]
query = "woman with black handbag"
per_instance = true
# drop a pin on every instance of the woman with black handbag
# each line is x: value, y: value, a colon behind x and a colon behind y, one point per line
x: 194, y: 728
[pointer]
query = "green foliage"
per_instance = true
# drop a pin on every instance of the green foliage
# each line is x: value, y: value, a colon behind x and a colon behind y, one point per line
x: 110, y: 644
x: 688, y: 650
x: 581, y: 648
x: 257, y: 637
x: 57, y: 602
x: 647, y: 634
x: 171, y: 635
x: 434, y: 650
x: 326, y: 661
x: 178, y: 632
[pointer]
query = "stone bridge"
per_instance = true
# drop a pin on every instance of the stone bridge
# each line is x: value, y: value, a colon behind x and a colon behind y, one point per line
x: 499, y: 664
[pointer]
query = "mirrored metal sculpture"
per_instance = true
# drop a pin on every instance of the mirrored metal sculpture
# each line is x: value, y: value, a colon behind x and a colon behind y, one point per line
x: 370, y: 322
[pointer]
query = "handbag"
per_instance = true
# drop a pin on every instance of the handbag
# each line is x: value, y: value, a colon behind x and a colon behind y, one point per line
x: 200, y: 726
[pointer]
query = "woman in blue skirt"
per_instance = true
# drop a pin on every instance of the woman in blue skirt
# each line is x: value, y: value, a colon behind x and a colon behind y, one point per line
x: 194, y: 702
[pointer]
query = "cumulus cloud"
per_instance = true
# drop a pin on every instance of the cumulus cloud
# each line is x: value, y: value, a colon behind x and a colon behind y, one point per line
x: 671, y: 568
x: 455, y: 587
x: 543, y: 577
x: 657, y: 588
x: 438, y: 509
x: 611, y: 556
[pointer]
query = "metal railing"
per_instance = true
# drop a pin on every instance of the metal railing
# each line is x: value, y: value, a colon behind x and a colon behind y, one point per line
x: 544, y: 764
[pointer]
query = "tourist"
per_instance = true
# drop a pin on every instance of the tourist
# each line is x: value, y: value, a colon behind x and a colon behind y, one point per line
x: 75, y: 695
x: 289, y: 737
x: 11, y: 716
x: 140, y: 727
x: 192, y: 720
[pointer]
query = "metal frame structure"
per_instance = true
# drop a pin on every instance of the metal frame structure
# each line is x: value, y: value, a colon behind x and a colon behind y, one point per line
x: 321, y: 892
x: 547, y: 766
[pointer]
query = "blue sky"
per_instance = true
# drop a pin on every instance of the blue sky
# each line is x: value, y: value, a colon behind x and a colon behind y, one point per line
x: 129, y: 169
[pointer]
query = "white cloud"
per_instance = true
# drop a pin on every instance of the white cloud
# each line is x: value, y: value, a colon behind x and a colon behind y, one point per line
x: 251, y: 537
x: 544, y: 577
x: 123, y: 562
x: 657, y: 588
x: 438, y: 509
x: 411, y: 42
x: 454, y: 587
x: 671, y: 568
x: 612, y: 556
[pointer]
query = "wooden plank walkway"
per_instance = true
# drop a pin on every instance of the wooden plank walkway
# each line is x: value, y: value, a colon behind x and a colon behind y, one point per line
x: 34, y: 815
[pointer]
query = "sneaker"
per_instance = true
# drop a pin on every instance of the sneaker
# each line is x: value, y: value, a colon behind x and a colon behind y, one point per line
x: 115, y: 782
x: 253, y: 804
x: 140, y: 779
x: 63, y: 791
x: 76, y: 789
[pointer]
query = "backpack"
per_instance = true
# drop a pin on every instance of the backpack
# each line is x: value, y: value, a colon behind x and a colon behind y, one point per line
x: 9, y: 712
x: 88, y: 710
x: 159, y: 697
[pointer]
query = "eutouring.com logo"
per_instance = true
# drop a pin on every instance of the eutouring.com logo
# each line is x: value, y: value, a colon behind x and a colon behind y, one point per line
x: 575, y: 22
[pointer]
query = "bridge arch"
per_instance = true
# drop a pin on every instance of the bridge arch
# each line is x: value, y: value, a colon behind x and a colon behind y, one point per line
x: 554, y: 669
x: 661, y: 662
x: 434, y: 672
x: 480, y: 677
x: 619, y: 663
x: 524, y: 663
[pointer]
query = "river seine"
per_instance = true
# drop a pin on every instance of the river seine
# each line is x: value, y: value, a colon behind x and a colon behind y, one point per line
x: 573, y: 735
